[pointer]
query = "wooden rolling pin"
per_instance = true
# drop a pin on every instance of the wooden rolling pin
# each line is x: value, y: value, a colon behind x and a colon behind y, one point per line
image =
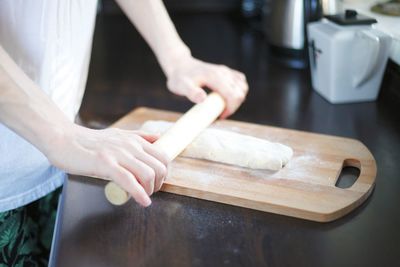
x: 178, y: 137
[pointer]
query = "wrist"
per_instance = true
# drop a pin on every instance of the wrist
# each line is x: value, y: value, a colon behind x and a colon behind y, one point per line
x: 172, y: 58
x: 54, y: 138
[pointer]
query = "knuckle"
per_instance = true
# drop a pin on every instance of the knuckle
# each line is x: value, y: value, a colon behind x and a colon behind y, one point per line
x: 119, y: 177
x: 116, y: 132
x: 240, y: 96
x: 187, y: 82
x: 152, y: 174
x: 162, y: 171
x: 104, y: 156
x: 135, y: 145
x: 149, y: 175
x: 135, y: 138
x: 164, y: 158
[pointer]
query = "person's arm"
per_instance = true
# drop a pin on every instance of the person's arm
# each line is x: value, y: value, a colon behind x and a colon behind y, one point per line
x: 186, y: 75
x: 127, y: 157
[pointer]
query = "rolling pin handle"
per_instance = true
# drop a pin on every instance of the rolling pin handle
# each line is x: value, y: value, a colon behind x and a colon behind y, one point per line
x: 115, y: 194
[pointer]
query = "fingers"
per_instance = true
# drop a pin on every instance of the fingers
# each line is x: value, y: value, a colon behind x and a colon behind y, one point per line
x: 154, y: 158
x: 195, y: 93
x: 128, y: 182
x: 240, y: 79
x: 231, y: 85
x: 226, y: 113
x: 160, y: 170
x: 237, y: 92
x: 144, y: 168
x: 188, y: 79
x: 146, y: 163
x: 143, y: 173
x: 123, y: 156
x: 187, y: 87
x: 158, y: 161
x: 155, y: 152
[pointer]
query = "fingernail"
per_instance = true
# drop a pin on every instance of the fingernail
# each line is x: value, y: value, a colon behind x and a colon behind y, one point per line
x: 147, y: 202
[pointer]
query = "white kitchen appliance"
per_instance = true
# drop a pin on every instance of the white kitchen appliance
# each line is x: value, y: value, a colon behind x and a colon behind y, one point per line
x: 347, y: 57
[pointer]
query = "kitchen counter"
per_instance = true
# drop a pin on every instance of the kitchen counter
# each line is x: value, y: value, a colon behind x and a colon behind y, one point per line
x: 183, y: 231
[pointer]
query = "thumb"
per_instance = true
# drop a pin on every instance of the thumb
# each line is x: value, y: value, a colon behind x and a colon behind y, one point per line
x: 195, y: 93
x: 149, y: 137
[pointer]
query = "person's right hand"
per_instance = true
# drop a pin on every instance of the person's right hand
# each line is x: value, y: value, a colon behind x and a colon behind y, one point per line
x: 127, y: 157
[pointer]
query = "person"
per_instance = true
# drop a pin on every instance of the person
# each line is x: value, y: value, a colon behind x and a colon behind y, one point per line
x: 45, y: 50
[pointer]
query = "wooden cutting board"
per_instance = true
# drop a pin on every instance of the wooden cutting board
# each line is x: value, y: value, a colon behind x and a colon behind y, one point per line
x: 304, y: 188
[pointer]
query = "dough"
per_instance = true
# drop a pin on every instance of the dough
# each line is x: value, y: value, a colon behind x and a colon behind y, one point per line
x: 230, y: 148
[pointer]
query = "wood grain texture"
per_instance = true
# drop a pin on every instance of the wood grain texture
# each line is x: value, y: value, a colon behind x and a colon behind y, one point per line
x: 304, y: 188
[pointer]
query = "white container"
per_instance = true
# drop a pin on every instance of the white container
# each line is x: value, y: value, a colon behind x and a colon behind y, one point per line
x: 347, y: 57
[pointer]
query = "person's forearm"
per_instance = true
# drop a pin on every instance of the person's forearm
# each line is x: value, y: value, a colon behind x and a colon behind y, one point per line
x: 126, y: 157
x: 25, y: 108
x: 153, y: 22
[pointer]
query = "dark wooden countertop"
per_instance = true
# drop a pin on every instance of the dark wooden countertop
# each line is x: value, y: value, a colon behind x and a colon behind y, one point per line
x: 182, y: 231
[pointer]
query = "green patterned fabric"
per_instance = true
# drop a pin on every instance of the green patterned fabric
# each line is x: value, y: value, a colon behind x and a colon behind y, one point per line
x: 26, y: 233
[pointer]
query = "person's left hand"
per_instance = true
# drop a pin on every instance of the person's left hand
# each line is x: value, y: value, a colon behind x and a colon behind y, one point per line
x: 189, y: 76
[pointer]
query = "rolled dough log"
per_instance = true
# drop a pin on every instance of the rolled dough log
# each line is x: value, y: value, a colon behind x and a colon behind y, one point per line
x: 230, y: 148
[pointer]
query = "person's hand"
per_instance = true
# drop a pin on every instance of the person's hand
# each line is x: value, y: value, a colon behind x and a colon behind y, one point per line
x: 189, y: 76
x: 127, y: 157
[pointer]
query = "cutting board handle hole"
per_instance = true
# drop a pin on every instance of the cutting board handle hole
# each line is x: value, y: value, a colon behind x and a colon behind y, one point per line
x: 349, y: 174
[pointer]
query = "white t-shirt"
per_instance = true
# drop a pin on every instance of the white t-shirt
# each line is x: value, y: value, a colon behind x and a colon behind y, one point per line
x: 51, y: 41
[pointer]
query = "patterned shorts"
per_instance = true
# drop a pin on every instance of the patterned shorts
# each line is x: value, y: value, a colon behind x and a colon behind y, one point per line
x: 26, y: 232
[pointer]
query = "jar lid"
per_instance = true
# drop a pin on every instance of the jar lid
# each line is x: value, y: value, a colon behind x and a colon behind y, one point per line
x: 351, y: 17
